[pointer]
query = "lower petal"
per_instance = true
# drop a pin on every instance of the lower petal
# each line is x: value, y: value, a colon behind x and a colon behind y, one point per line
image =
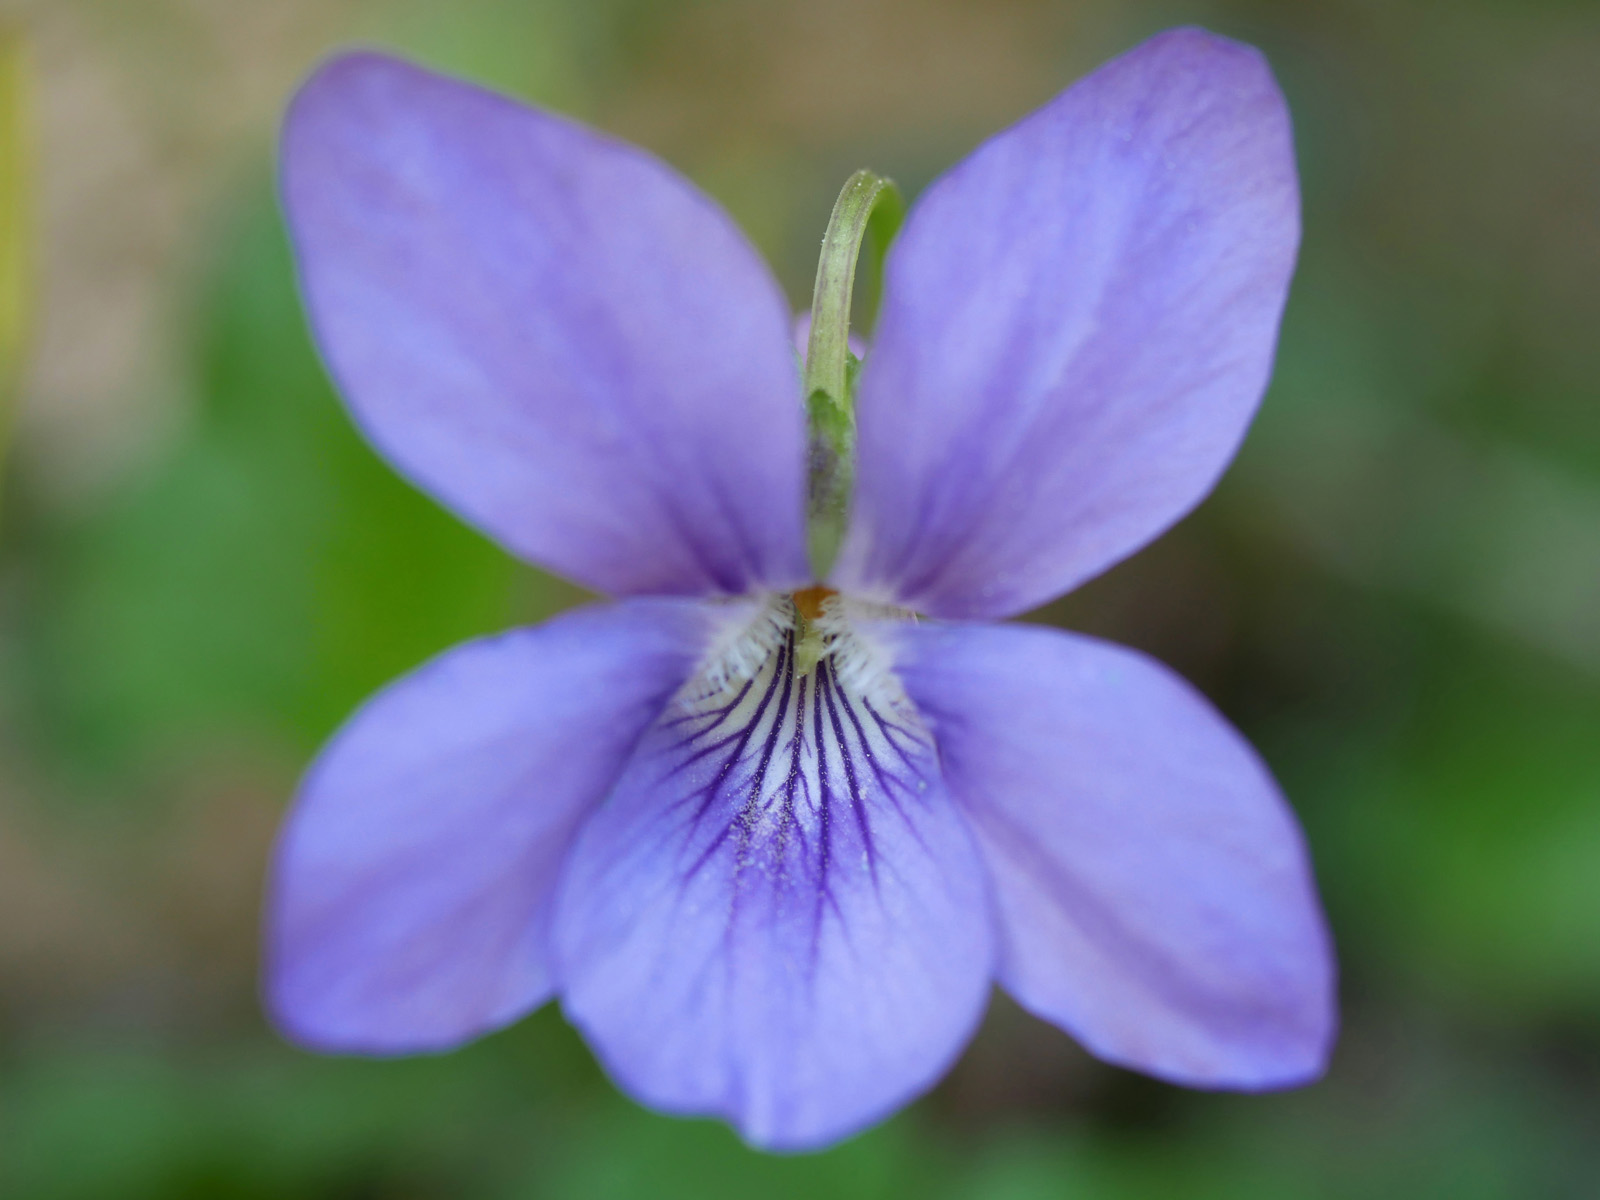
x: 1154, y: 893
x: 410, y: 889
x: 778, y: 917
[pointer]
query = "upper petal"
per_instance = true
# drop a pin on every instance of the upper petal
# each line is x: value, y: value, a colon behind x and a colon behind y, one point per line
x: 551, y: 331
x: 778, y: 917
x: 1154, y: 892
x: 410, y: 888
x: 1078, y: 322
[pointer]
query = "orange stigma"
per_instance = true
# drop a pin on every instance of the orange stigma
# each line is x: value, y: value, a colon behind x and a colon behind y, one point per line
x: 808, y: 601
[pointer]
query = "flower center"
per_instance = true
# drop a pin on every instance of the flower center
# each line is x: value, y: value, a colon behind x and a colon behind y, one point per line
x: 795, y: 720
x: 810, y: 628
x: 808, y: 602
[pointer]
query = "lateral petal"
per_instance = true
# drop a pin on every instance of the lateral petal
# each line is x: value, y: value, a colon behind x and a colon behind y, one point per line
x: 1078, y: 323
x: 550, y: 331
x: 408, y: 904
x: 1154, y: 894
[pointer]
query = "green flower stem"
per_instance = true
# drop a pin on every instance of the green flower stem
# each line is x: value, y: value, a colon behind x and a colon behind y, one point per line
x: 868, y: 203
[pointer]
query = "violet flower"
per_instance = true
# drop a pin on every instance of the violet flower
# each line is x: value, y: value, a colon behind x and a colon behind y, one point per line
x: 770, y: 842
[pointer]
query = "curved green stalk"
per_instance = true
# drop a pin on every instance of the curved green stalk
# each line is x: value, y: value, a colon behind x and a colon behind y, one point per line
x: 868, y: 203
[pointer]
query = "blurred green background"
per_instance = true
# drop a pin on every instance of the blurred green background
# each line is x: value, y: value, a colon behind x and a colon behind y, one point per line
x: 1395, y: 592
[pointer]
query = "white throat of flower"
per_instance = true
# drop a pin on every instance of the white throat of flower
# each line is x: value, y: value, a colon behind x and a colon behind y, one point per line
x: 795, y: 719
x: 824, y: 626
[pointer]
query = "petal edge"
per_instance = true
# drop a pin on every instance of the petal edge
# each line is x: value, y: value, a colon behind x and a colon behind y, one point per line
x: 408, y: 895
x: 550, y: 331
x: 1078, y: 322
x: 1154, y: 891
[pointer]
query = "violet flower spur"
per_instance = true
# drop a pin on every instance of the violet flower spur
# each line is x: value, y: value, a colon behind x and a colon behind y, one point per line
x: 771, y: 842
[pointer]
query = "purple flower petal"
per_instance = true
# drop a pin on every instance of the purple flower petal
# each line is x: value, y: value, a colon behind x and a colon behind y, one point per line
x: 550, y: 331
x: 1078, y: 322
x: 779, y: 916
x: 1154, y: 892
x: 409, y: 898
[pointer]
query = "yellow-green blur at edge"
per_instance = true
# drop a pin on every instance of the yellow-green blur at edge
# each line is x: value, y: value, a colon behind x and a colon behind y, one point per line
x: 14, y: 222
